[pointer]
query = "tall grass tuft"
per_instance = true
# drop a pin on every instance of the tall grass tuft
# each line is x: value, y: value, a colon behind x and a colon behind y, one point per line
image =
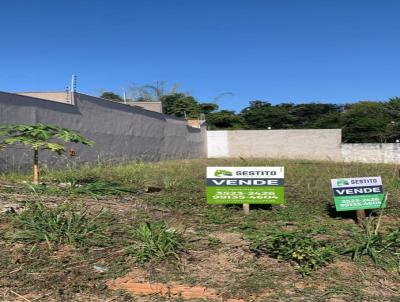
x: 155, y: 241
x: 383, y: 248
x: 64, y: 224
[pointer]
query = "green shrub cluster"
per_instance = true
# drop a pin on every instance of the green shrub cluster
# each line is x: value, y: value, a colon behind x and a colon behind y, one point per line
x: 300, y: 247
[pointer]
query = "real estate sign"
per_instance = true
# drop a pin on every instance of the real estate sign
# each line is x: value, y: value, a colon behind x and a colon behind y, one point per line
x: 358, y: 193
x: 245, y: 185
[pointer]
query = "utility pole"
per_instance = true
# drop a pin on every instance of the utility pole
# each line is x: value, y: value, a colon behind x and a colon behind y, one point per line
x: 124, y: 94
x: 72, y: 89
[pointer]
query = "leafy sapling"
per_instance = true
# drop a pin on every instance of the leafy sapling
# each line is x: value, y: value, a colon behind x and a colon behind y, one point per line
x: 40, y: 137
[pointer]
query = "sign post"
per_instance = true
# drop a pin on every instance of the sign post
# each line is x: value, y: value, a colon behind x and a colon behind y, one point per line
x: 245, y: 185
x: 246, y: 208
x: 358, y: 194
x: 360, y: 215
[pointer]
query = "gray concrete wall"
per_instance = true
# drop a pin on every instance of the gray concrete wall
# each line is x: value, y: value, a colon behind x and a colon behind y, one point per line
x: 121, y: 132
x: 315, y: 144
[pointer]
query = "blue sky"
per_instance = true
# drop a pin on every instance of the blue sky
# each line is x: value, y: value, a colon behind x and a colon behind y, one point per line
x: 278, y: 51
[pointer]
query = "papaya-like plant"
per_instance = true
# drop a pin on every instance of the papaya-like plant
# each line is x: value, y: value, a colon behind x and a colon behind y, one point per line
x: 40, y: 137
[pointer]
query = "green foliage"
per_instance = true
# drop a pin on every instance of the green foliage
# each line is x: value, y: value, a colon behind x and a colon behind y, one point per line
x: 171, y: 183
x: 155, y: 241
x: 108, y: 95
x: 64, y: 224
x: 368, y: 118
x: 301, y: 247
x: 41, y: 136
x: 207, y: 108
x: 362, y: 122
x: 382, y: 248
x: 261, y: 115
x: 174, y: 103
x: 180, y: 105
x: 224, y: 119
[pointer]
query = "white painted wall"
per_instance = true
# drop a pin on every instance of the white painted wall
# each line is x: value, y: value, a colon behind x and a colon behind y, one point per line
x: 318, y: 144
x: 313, y: 144
x: 217, y: 144
x: 371, y: 153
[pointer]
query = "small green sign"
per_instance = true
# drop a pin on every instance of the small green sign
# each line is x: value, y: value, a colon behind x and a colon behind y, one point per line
x: 358, y: 193
x: 245, y: 185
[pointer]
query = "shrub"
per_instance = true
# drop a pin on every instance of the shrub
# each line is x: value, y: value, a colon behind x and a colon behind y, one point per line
x: 64, y: 224
x: 155, y: 241
x: 300, y: 247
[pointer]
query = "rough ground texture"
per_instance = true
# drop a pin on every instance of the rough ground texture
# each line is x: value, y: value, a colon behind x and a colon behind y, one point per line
x: 218, y: 263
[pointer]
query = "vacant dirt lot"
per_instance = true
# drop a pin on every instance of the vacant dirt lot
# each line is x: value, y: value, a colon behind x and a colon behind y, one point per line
x: 143, y: 232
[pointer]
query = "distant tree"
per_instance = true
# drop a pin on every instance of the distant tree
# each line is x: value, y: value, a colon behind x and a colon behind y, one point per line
x: 224, y: 119
x: 174, y: 103
x: 40, y: 137
x: 262, y: 115
x: 207, y: 108
x: 365, y: 122
x: 108, y: 95
x: 308, y: 115
x: 180, y: 105
x: 393, y: 111
x: 326, y: 121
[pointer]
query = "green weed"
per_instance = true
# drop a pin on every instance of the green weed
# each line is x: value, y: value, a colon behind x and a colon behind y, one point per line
x: 64, y: 224
x: 300, y: 247
x: 382, y: 248
x: 171, y: 182
x: 155, y: 241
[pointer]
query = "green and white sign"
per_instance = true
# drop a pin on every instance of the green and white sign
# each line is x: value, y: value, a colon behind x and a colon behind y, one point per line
x: 245, y: 185
x: 358, y: 193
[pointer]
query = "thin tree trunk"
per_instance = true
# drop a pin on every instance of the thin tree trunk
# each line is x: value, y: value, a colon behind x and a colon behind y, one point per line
x: 36, y: 171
